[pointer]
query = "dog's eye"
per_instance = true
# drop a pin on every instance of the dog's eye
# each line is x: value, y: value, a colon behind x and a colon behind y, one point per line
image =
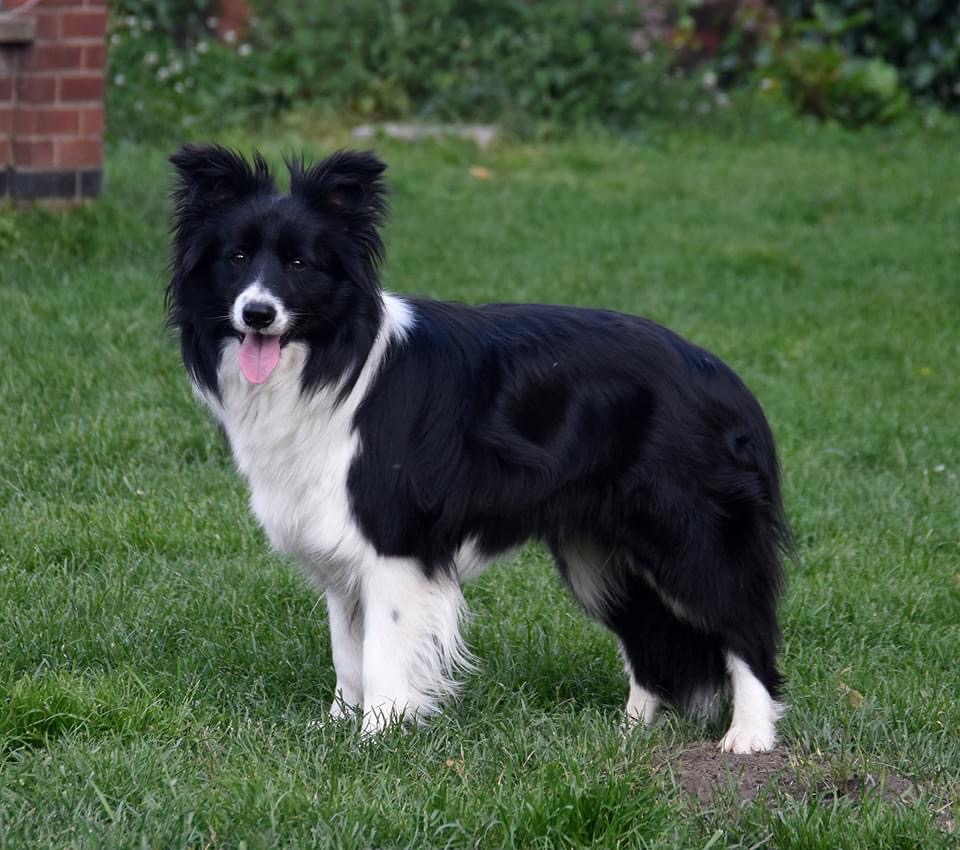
x: 238, y: 258
x: 296, y: 265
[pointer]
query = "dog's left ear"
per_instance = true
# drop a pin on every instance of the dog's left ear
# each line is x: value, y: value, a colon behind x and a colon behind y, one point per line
x: 348, y: 183
x: 347, y: 189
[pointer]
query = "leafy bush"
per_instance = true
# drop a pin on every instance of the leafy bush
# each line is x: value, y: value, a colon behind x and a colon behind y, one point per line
x: 921, y: 38
x: 821, y: 78
x: 563, y: 62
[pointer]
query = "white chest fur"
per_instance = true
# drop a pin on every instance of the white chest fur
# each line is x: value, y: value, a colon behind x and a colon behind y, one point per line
x: 295, y: 451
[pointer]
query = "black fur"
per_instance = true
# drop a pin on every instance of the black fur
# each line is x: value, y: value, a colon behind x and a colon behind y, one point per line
x: 510, y: 422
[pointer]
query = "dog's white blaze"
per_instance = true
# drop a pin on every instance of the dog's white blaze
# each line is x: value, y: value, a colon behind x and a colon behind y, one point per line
x: 296, y: 451
x: 755, y: 712
x: 256, y: 292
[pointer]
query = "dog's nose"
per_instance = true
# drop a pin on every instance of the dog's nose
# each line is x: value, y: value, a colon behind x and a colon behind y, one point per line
x: 259, y: 315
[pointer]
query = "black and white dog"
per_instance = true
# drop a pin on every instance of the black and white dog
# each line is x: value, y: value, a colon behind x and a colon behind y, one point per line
x: 394, y: 446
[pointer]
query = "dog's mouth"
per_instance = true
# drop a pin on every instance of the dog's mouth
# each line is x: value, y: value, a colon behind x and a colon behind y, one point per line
x: 259, y: 355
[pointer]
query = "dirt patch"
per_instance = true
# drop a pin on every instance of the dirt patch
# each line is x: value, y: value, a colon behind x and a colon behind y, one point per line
x: 706, y: 773
x: 709, y: 776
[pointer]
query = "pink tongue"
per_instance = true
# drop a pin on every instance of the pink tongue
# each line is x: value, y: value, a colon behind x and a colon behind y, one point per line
x: 259, y: 356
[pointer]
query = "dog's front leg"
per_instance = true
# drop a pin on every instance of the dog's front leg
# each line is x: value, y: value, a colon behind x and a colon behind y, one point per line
x: 345, y: 616
x: 411, y: 641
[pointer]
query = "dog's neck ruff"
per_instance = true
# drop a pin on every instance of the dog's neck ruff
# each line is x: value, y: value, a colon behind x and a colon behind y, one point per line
x: 295, y: 447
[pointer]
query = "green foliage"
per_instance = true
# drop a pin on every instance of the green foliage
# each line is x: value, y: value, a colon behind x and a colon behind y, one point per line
x: 823, y: 80
x: 821, y: 77
x: 921, y: 38
x: 524, y: 64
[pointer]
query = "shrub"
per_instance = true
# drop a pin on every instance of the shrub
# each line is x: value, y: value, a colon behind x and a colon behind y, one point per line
x: 564, y: 62
x: 921, y: 38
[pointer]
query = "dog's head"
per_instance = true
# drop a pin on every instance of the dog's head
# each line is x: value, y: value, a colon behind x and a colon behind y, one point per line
x: 270, y: 268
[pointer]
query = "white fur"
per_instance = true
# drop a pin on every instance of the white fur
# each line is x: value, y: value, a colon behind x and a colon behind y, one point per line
x: 755, y: 712
x: 345, y: 617
x: 395, y: 634
x: 642, y: 705
x: 411, y: 642
x: 591, y: 575
x: 256, y: 292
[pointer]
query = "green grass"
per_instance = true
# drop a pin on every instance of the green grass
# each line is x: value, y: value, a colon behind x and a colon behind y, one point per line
x: 160, y: 668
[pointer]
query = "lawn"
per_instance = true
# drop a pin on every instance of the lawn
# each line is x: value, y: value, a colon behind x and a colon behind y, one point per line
x: 161, y: 669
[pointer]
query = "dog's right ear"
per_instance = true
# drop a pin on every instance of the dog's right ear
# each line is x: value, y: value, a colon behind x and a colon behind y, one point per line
x: 212, y: 178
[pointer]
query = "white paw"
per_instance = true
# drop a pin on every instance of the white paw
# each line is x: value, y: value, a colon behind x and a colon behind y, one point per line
x: 377, y: 719
x: 340, y: 710
x: 741, y: 740
x: 641, y: 707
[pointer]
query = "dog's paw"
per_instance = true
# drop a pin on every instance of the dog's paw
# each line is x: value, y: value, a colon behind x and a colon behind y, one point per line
x: 741, y: 740
x: 642, y: 707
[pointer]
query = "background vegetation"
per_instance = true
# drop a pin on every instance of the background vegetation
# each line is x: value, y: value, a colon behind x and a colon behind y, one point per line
x: 536, y: 68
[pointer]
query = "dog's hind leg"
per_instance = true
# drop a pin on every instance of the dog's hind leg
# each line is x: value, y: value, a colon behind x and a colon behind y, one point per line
x: 411, y: 641
x: 666, y: 658
x: 345, y: 616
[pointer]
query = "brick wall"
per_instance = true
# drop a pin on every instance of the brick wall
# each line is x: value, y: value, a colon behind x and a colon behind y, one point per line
x: 52, y: 81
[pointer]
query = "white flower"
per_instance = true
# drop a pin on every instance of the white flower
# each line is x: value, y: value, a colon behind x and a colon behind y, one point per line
x: 115, y: 38
x: 138, y: 105
x: 162, y: 74
x: 119, y: 79
x: 203, y: 46
x: 212, y: 22
x: 176, y: 67
x: 131, y: 22
x: 150, y: 58
x: 766, y: 84
x: 178, y: 87
x: 710, y: 80
x: 230, y: 36
x: 244, y: 50
x: 722, y: 100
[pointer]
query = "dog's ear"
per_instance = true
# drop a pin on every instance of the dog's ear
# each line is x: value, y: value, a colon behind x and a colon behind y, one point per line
x: 212, y: 178
x: 347, y: 189
x: 348, y: 183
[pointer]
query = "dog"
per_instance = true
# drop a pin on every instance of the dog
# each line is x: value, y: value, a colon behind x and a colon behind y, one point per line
x: 394, y: 446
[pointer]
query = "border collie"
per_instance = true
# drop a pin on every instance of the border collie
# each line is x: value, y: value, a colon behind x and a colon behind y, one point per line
x: 394, y: 446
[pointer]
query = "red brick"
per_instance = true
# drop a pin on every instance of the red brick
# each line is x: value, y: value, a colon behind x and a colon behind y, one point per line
x: 35, y: 89
x: 73, y: 153
x: 90, y: 23
x: 6, y: 89
x: 95, y: 57
x: 95, y: 3
x: 6, y: 122
x: 91, y: 121
x: 52, y: 57
x: 48, y: 24
x: 34, y: 153
x: 47, y: 122
x: 48, y: 3
x: 90, y: 87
